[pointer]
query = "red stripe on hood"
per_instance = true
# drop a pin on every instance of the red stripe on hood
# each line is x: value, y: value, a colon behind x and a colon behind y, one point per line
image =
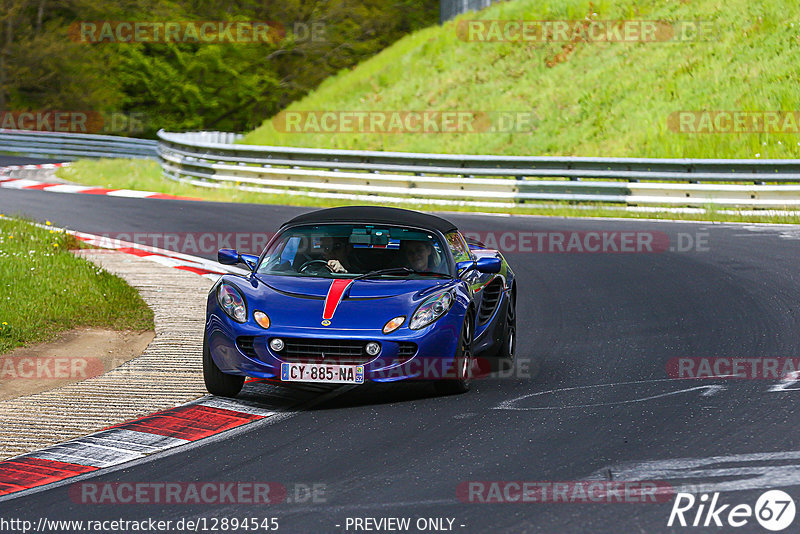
x: 335, y: 294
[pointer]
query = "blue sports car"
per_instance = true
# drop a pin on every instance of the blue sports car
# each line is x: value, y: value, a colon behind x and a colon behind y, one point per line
x: 360, y: 294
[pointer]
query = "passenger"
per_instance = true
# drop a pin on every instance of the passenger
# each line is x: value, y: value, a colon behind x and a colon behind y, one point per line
x: 418, y: 255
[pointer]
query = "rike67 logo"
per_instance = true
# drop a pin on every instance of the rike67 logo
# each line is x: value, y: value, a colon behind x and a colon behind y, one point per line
x: 774, y: 510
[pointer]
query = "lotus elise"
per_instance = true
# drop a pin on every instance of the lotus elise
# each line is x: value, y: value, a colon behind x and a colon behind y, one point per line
x: 352, y: 295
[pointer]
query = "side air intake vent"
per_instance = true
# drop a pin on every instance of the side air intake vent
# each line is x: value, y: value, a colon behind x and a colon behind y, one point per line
x: 491, y: 296
x: 245, y: 344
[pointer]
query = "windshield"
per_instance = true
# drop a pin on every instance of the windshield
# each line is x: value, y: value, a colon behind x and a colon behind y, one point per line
x: 350, y: 250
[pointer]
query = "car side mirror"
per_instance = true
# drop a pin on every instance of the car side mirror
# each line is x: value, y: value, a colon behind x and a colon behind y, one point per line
x: 462, y: 267
x: 228, y: 256
x: 489, y: 265
x: 251, y: 260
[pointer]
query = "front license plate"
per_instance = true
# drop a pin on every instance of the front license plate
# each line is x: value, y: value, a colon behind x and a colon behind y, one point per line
x: 327, y: 374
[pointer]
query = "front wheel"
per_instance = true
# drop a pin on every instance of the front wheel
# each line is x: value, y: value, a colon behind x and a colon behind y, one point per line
x: 217, y: 382
x: 462, y: 363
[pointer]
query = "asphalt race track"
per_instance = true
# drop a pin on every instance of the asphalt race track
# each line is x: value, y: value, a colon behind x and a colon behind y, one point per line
x: 590, y: 397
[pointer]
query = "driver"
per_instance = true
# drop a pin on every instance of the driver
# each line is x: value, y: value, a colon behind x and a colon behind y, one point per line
x: 335, y: 251
x: 417, y: 254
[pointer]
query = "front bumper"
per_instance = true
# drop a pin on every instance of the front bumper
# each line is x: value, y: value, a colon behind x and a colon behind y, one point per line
x: 436, y: 345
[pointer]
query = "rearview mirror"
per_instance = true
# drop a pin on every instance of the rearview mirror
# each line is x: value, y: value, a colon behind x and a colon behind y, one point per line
x: 369, y: 237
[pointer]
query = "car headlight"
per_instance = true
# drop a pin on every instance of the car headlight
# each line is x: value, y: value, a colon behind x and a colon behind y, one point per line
x: 232, y: 302
x: 430, y: 310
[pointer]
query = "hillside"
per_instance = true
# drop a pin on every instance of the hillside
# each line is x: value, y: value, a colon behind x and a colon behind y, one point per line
x: 586, y: 97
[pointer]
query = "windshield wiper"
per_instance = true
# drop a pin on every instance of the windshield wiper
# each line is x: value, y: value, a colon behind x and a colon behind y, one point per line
x: 398, y: 270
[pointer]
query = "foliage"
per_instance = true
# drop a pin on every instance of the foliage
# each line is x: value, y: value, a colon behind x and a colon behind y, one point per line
x: 187, y: 85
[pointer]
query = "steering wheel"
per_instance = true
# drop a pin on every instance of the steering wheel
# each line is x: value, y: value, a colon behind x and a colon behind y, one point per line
x: 311, y: 263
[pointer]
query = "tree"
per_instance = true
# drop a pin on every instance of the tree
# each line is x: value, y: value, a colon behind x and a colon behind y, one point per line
x: 224, y: 86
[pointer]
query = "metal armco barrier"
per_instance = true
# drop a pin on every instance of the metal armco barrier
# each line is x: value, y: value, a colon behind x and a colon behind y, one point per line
x: 71, y: 145
x: 199, y: 159
x: 211, y: 159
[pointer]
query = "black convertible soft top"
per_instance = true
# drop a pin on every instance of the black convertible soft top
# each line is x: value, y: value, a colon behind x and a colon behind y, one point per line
x: 374, y: 214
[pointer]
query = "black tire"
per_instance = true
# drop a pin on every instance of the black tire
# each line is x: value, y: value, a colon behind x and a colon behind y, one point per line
x: 508, y: 345
x: 462, y: 363
x: 217, y: 382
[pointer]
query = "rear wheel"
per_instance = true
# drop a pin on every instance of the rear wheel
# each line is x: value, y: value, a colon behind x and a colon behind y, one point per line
x: 508, y: 345
x: 462, y: 363
x: 217, y: 382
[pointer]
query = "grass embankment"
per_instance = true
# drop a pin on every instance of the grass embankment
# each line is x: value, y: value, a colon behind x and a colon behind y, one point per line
x: 589, y: 98
x: 46, y: 289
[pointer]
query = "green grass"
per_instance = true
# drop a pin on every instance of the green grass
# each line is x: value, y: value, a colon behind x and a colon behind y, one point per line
x: 46, y: 289
x: 597, y: 99
x: 146, y: 175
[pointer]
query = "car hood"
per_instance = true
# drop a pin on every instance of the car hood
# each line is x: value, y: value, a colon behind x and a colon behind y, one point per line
x: 364, y: 305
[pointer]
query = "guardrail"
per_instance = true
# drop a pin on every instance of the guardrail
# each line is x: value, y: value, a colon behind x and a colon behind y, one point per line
x: 475, y: 180
x: 211, y: 159
x: 70, y: 145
